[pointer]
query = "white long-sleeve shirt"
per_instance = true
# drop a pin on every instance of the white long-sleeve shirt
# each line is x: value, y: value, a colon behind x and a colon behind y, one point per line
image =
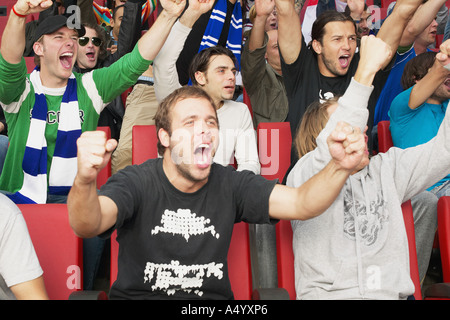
x: 237, y: 135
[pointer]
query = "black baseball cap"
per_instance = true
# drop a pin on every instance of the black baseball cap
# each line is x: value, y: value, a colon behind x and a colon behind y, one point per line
x: 52, y: 24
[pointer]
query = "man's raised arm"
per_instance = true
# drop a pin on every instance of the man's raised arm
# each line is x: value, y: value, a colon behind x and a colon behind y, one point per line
x: 393, y: 27
x: 13, y: 39
x: 153, y: 40
x: 89, y: 214
x: 346, y: 145
x: 289, y: 30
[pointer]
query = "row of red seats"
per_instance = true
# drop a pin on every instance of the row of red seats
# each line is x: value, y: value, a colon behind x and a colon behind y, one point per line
x: 442, y: 240
x: 59, y: 250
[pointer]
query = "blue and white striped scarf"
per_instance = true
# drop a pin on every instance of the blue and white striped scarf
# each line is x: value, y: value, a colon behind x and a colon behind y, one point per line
x: 64, y: 162
x: 215, y: 26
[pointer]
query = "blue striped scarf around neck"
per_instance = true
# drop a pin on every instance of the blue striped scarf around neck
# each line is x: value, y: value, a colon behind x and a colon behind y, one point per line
x: 215, y: 26
x: 64, y: 162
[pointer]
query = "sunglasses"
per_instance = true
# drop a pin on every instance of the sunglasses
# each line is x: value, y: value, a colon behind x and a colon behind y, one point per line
x: 84, y: 41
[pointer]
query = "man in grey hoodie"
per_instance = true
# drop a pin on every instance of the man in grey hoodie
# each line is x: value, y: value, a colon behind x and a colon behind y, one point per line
x: 357, y: 249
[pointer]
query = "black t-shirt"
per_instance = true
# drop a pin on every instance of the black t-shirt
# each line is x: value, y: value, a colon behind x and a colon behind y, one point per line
x: 174, y: 244
x: 305, y: 84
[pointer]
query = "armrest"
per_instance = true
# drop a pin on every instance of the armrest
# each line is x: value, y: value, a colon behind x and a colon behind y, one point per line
x: 437, y: 291
x: 270, y: 294
x: 88, y: 295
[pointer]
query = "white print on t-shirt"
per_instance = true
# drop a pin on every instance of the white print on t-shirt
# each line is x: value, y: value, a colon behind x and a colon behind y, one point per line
x: 325, y: 96
x: 172, y: 277
x: 175, y: 276
x: 184, y: 223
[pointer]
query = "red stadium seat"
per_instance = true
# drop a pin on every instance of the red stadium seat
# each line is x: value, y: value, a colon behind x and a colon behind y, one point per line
x: 58, y: 249
x: 105, y: 173
x: 124, y: 96
x: 384, y: 136
x: 248, y: 102
x: 386, y: 3
x: 444, y: 235
x: 239, y: 263
x: 30, y: 64
x: 285, y: 256
x: 439, y: 39
x: 274, y: 147
x: 144, y: 143
x: 410, y: 232
x: 274, y: 144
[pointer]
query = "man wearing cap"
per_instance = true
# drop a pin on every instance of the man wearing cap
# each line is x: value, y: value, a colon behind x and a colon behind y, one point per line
x: 47, y: 110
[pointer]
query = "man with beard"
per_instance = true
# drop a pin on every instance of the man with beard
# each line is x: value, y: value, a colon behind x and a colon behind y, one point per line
x: 177, y: 212
x: 360, y: 13
x: 417, y: 113
x: 325, y: 67
x: 419, y: 34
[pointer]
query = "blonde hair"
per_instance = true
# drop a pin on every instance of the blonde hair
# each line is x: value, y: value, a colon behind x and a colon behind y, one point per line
x: 313, y: 121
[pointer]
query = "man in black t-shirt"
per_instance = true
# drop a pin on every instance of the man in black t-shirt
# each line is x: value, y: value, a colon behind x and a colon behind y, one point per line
x: 323, y: 68
x: 174, y: 215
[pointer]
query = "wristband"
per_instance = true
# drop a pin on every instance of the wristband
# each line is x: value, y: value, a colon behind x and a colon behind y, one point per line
x: 17, y: 14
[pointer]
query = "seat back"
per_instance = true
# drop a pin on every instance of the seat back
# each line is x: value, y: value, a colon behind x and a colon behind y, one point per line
x: 114, y: 258
x: 144, y: 143
x: 246, y: 99
x: 105, y: 173
x: 125, y: 95
x: 384, y: 136
x: 274, y: 144
x: 285, y: 256
x: 274, y: 148
x: 144, y: 147
x: 413, y: 263
x: 30, y: 64
x: 444, y: 235
x: 59, y: 250
x: 239, y: 262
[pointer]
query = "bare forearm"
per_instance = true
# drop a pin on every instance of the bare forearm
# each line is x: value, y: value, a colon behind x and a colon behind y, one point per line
x: 257, y: 36
x: 84, y: 209
x: 310, y: 199
x: 289, y: 31
x: 189, y: 17
x: 30, y: 290
x: 13, y: 39
x: 393, y: 27
x: 422, y: 18
x: 153, y: 40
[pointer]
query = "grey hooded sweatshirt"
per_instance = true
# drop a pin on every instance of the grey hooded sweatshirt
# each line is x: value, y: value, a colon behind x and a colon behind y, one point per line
x: 358, y: 248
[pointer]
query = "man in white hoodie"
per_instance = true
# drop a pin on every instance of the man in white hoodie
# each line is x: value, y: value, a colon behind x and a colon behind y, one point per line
x: 357, y: 249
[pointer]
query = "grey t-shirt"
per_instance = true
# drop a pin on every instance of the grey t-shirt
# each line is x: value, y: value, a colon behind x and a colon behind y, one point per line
x: 18, y: 260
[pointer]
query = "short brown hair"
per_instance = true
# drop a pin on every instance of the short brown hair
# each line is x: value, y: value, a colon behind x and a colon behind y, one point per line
x: 416, y: 68
x: 313, y: 121
x: 201, y: 60
x: 163, y: 119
